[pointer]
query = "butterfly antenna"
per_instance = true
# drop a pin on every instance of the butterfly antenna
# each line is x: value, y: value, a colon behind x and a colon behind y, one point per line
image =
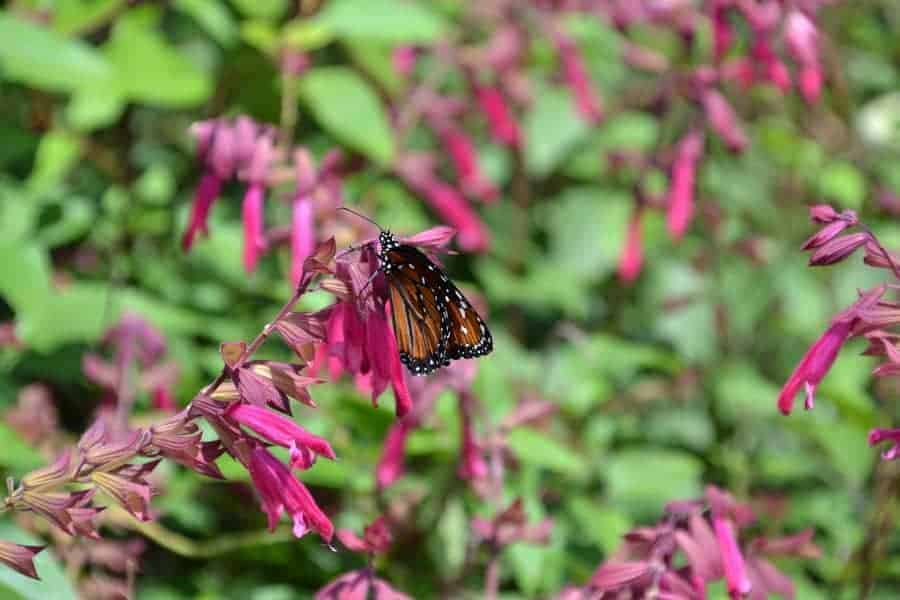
x: 361, y: 216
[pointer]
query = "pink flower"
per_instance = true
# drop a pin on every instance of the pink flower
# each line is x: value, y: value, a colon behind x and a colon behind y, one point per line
x: 403, y: 60
x: 576, y: 77
x: 376, y: 538
x: 876, y: 436
x: 802, y: 41
x: 280, y: 491
x: 216, y: 147
x: 20, y: 557
x: 821, y: 355
x: 283, y: 431
x: 811, y: 80
x: 359, y: 585
x: 207, y: 193
x: 252, y: 211
x: 681, y: 188
x: 503, y: 126
x: 815, y: 365
x: 392, y: 463
x: 723, y: 33
x: 303, y: 238
x: 453, y: 209
x: 385, y: 358
x: 631, y: 259
x: 723, y: 121
x: 465, y: 160
x: 261, y: 151
x: 774, y: 69
x: 417, y: 171
x: 732, y: 559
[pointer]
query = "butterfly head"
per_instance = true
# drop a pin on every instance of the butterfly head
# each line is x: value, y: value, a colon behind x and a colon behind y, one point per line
x: 387, y: 241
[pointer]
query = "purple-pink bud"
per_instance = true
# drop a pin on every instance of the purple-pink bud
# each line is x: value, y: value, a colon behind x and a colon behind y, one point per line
x: 723, y: 120
x: 838, y: 249
x: 502, y: 123
x: 681, y: 188
x: 252, y: 217
x: 631, y: 258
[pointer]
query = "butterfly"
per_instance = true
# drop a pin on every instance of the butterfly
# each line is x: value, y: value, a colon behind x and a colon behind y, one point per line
x: 433, y: 322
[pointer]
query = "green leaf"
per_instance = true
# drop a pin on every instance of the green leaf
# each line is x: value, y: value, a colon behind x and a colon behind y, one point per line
x: 344, y: 104
x: 642, y: 481
x: 535, y: 448
x: 76, y: 314
x: 44, y: 59
x: 743, y: 393
x: 391, y: 21
x: 212, y: 16
x: 17, y: 455
x: 270, y: 10
x: 630, y: 131
x: 151, y: 71
x: 452, y: 538
x: 600, y: 524
x: 306, y: 35
x: 92, y: 108
x: 53, y: 585
x: 72, y: 16
x: 260, y: 34
x: 375, y: 60
x: 56, y: 154
x: 24, y: 275
x: 844, y: 183
x: 552, y: 128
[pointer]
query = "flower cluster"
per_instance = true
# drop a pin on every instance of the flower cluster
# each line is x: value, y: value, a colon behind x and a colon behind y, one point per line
x: 697, y: 543
x: 872, y: 316
x: 707, y: 84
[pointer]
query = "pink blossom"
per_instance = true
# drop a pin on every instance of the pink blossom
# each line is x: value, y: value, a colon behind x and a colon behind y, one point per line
x: 681, y: 189
x: 723, y: 120
x: 811, y: 80
x: 631, y: 259
x: 376, y: 538
x: 283, y: 431
x: 418, y: 173
x: 465, y: 160
x: 732, y: 559
x: 502, y: 123
x: 814, y: 365
x: 20, y: 557
x: 280, y: 491
x: 207, y: 193
x: 403, y: 60
x: 162, y: 399
x: 259, y: 153
x: 303, y: 239
x: 878, y: 435
x: 576, y: 77
x: 723, y: 32
x: 359, y: 585
x: 392, y: 462
x: 453, y: 209
x: 817, y: 361
x: 252, y: 212
x: 216, y: 147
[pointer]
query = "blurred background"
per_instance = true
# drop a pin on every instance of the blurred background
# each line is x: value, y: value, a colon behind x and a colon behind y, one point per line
x: 630, y: 181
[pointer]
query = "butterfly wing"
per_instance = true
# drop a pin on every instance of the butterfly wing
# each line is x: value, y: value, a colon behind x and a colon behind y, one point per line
x: 469, y: 335
x: 420, y: 317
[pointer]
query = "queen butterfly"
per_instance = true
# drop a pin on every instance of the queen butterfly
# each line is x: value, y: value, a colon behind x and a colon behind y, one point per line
x: 433, y: 321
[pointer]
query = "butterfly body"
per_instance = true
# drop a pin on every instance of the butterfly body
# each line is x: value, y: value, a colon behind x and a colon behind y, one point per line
x: 433, y: 322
